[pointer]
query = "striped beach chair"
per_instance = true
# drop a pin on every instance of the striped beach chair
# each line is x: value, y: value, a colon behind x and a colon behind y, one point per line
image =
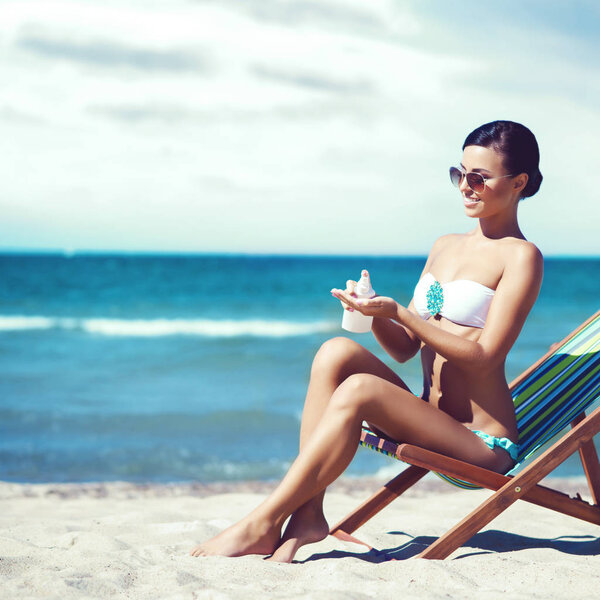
x: 552, y: 394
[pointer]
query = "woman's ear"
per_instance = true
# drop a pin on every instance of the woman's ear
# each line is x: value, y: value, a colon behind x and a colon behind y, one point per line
x: 520, y: 181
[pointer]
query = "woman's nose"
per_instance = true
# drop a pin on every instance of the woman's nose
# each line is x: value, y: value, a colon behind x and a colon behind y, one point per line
x: 463, y: 186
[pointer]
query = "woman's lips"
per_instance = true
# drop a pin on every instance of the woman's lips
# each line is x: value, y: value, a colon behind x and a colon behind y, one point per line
x: 471, y: 201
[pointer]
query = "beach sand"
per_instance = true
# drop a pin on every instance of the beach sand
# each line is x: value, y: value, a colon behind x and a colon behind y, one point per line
x: 119, y: 540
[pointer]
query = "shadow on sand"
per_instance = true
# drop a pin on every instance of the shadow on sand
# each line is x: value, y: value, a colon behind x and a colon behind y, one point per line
x: 485, y: 542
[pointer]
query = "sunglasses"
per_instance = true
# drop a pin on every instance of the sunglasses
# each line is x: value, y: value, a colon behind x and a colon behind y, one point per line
x: 476, y: 181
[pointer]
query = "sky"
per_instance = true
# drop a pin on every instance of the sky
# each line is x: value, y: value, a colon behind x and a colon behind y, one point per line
x: 305, y: 127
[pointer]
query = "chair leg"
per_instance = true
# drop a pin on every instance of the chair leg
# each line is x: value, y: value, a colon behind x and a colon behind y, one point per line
x: 513, y: 490
x: 590, y: 463
x: 379, y: 500
x: 538, y: 494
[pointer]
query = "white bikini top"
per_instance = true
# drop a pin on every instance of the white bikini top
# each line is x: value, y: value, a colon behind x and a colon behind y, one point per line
x: 462, y: 301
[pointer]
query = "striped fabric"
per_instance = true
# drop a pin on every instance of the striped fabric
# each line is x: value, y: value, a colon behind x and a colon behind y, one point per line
x: 547, y: 400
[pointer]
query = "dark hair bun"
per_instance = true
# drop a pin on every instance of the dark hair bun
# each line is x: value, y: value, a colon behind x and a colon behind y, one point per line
x: 533, y: 184
x: 518, y: 147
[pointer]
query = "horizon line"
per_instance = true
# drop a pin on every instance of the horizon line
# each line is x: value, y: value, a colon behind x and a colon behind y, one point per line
x: 68, y: 253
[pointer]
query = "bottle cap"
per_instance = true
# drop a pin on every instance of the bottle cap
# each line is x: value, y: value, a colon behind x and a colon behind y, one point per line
x: 363, y: 288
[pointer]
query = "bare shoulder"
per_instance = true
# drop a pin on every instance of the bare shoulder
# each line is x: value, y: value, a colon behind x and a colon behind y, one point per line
x: 446, y: 241
x: 523, y: 258
x: 523, y: 253
x: 450, y: 238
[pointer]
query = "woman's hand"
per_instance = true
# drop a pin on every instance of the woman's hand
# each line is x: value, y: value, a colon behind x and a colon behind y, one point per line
x: 379, y: 306
x: 348, y: 292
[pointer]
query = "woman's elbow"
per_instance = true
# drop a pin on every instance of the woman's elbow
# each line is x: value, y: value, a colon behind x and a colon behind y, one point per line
x: 408, y: 353
x: 485, y: 361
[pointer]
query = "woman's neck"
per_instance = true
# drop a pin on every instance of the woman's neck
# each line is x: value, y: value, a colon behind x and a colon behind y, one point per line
x: 500, y: 225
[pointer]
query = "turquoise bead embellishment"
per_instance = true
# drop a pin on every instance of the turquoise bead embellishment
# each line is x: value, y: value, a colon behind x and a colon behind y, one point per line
x: 435, y: 298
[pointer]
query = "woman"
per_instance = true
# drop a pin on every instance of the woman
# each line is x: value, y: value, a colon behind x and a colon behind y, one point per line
x: 469, y: 306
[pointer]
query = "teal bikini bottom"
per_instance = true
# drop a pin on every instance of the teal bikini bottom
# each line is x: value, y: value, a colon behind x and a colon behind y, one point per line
x: 504, y: 443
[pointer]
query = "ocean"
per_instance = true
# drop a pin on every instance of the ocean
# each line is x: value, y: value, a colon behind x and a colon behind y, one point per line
x: 173, y: 368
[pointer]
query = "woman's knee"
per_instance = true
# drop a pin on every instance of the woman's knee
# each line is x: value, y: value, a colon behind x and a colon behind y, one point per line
x: 354, y: 392
x: 335, y: 357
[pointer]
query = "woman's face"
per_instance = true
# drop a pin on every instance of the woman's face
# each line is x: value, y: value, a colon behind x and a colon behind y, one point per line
x: 498, y: 194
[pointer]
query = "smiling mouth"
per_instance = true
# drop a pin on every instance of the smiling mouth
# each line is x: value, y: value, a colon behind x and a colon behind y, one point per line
x: 471, y: 200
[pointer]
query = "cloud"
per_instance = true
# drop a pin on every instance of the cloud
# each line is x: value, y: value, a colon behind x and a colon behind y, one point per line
x: 15, y: 115
x: 139, y: 113
x: 266, y: 125
x: 314, y: 81
x: 110, y: 54
x: 379, y: 19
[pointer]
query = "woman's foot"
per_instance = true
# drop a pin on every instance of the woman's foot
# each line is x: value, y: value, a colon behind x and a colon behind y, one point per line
x: 248, y: 536
x: 306, y: 526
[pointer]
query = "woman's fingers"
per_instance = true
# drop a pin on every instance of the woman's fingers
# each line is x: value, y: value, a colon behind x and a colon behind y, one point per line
x: 350, y: 286
x: 344, y: 295
x: 348, y: 301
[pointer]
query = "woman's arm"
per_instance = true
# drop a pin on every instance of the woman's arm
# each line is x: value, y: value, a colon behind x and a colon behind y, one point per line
x: 398, y: 341
x: 515, y: 295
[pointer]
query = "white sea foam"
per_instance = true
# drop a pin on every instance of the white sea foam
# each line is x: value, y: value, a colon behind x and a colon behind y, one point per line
x: 165, y: 327
x: 17, y: 322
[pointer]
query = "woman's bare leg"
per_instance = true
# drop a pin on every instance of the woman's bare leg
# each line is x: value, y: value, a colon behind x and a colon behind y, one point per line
x: 360, y: 397
x: 336, y: 360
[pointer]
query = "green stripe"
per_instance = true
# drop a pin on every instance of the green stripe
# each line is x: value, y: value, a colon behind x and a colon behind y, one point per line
x: 377, y: 449
x: 465, y: 485
x: 550, y: 433
x: 555, y: 373
x: 561, y: 400
x: 533, y: 384
x: 539, y: 382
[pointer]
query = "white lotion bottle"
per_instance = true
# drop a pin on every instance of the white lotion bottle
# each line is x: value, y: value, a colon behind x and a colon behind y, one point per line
x: 355, y: 321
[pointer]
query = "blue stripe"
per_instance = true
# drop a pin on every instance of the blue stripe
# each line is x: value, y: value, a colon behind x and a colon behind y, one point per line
x: 550, y: 395
x: 578, y: 397
x: 538, y: 375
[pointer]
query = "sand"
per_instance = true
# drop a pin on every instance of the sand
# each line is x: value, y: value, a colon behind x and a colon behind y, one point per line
x: 119, y: 540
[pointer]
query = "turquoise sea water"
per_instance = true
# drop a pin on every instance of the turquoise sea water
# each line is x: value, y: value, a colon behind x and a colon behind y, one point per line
x: 178, y: 368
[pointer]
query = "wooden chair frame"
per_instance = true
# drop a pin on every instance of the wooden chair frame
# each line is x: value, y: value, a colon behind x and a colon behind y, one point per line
x: 507, y: 489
